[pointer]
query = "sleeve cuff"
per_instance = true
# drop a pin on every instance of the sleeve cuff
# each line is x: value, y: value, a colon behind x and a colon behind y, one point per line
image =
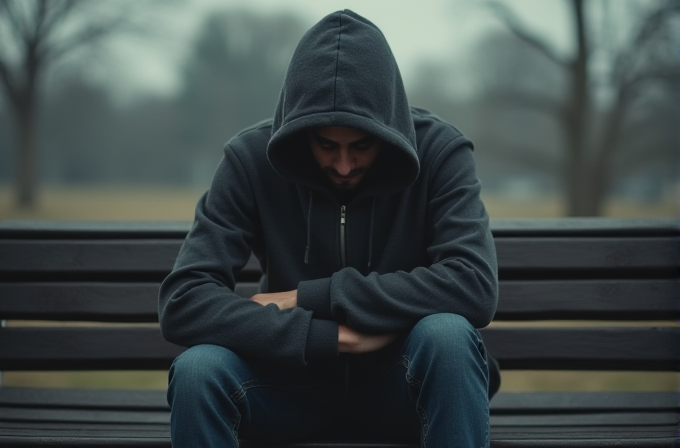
x: 322, y: 341
x: 315, y: 296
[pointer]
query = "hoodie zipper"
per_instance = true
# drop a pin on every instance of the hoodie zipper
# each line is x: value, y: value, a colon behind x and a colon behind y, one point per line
x: 343, y: 259
x: 343, y: 255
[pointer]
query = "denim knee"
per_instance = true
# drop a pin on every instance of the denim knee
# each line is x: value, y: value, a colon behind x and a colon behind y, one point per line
x: 446, y: 336
x: 204, y: 368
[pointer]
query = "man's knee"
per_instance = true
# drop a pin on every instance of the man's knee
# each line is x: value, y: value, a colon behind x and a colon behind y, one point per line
x: 201, y: 365
x: 445, y: 334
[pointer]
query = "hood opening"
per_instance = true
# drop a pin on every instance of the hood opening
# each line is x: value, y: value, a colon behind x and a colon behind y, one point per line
x: 343, y: 73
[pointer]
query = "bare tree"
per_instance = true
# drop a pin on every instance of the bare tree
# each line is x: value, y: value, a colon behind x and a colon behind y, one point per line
x: 34, y: 35
x: 646, y: 61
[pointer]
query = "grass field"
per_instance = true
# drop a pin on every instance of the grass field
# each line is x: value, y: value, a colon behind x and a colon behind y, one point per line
x: 172, y: 203
x: 113, y: 204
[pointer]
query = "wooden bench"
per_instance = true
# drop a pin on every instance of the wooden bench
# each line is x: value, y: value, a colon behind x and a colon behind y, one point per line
x: 570, y: 270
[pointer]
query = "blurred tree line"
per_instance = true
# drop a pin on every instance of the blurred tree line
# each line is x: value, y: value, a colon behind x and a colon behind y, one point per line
x: 602, y: 121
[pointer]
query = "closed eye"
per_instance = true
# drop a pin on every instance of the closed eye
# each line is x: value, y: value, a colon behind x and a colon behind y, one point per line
x: 324, y: 143
x: 363, y: 144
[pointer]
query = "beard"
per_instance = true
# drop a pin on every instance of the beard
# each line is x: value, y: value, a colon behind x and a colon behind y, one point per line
x: 348, y: 182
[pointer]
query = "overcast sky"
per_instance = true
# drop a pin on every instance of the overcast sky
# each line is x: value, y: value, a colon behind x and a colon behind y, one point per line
x: 415, y: 29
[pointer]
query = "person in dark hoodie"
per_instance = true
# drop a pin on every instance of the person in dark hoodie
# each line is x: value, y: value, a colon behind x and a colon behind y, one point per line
x: 378, y: 266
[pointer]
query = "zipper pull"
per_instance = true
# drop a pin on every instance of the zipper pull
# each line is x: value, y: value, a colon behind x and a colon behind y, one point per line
x: 343, y: 255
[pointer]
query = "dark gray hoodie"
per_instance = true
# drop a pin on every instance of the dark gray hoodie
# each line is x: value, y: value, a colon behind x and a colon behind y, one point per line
x: 417, y: 240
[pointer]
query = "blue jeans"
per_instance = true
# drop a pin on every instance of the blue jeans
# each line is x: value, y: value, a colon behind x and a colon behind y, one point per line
x: 430, y: 387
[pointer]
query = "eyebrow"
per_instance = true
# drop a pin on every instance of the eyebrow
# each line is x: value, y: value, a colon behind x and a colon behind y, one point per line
x: 323, y: 140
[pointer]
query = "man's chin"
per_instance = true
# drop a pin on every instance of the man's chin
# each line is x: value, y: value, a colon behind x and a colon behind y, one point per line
x: 346, y: 185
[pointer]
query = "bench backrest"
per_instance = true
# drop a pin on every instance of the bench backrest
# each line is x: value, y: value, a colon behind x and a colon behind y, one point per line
x: 564, y: 269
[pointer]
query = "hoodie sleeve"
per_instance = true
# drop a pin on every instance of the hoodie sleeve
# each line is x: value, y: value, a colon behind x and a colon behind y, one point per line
x: 197, y: 303
x: 462, y: 276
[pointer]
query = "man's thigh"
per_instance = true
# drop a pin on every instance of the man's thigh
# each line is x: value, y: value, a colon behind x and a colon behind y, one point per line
x: 260, y: 400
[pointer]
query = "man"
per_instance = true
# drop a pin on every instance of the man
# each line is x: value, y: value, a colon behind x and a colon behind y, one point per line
x: 377, y: 257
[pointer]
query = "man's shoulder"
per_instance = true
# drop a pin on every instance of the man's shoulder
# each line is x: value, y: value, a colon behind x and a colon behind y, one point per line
x: 433, y: 134
x: 251, y: 140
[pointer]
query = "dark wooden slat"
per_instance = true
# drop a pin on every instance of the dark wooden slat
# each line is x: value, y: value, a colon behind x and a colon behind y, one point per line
x: 644, y: 349
x: 139, y: 259
x: 103, y: 301
x: 584, y: 227
x: 622, y: 437
x: 44, y: 229
x: 630, y: 255
x: 507, y: 403
x: 504, y: 403
x: 8, y: 414
x: 620, y: 299
x: 519, y: 300
x: 78, y: 439
x: 630, y: 436
x: 587, y: 419
x: 153, y: 257
x: 85, y: 349
x: 67, y: 398
x: 87, y: 301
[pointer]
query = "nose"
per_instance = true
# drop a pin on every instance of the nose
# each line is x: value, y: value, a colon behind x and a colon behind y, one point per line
x: 343, y: 162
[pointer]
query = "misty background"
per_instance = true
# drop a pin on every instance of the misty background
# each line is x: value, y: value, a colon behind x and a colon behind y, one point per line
x: 573, y: 103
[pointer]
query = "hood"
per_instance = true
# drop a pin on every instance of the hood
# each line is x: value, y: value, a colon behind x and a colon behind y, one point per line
x: 343, y: 73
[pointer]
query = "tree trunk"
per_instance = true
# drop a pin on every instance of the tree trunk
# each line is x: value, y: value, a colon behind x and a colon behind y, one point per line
x: 25, y: 159
x: 583, y: 197
x: 25, y: 114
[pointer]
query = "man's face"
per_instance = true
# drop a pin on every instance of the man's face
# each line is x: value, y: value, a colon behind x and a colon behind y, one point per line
x: 343, y: 154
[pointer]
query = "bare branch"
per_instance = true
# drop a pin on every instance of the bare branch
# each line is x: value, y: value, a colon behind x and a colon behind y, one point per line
x: 668, y: 76
x: 10, y: 87
x: 87, y: 36
x: 529, y: 100
x: 10, y: 10
x: 652, y: 27
x: 512, y: 22
x: 58, y: 13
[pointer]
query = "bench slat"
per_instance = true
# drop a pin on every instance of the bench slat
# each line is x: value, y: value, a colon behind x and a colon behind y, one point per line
x: 508, y: 227
x: 518, y: 300
x: 658, y: 255
x: 71, y: 398
x: 87, y: 435
x: 503, y: 403
x: 152, y: 259
x: 622, y: 299
x: 85, y: 349
x: 585, y: 348
x: 87, y: 301
x: 644, y: 349
x: 119, y: 259
x: 10, y: 414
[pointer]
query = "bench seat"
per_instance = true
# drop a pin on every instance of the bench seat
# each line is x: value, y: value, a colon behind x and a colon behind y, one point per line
x: 605, y: 293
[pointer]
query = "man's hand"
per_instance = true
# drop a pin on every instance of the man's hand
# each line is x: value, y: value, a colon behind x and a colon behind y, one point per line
x: 350, y: 341
x: 284, y: 300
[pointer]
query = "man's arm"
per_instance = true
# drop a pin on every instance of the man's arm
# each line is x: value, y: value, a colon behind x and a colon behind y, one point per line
x: 197, y: 302
x: 461, y: 279
x: 349, y: 341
